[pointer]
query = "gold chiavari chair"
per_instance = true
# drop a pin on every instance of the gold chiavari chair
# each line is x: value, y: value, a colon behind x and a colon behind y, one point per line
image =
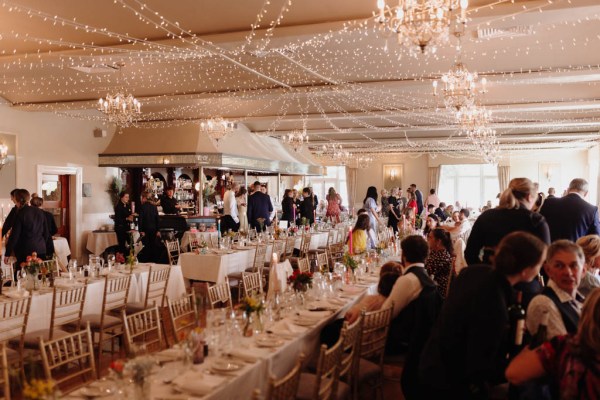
x: 284, y: 388
x: 323, y: 385
x: 194, y: 244
x: 351, y: 355
x: 183, y: 313
x: 143, y: 327
x: 335, y: 253
x: 277, y: 247
x: 13, y: 324
x: 375, y: 331
x: 220, y: 293
x: 108, y: 325
x: 8, y: 272
x: 173, y: 251
x: 156, y: 289
x: 252, y: 283
x: 290, y: 243
x: 304, y: 264
x: 67, y: 311
x: 322, y: 262
x: 69, y: 361
x: 4, y: 382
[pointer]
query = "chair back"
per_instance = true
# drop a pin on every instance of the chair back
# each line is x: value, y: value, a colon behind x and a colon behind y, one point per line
x: 183, y: 313
x: 330, y: 237
x: 116, y: 291
x: 213, y: 240
x: 67, y: 307
x: 143, y: 327
x: 173, y: 251
x: 13, y: 319
x: 278, y: 248
x: 8, y: 273
x: 304, y: 264
x: 290, y: 243
x: 328, y: 370
x: 158, y: 278
x: 52, y: 266
x: 252, y: 234
x: 351, y: 350
x: 220, y: 293
x: 322, y: 262
x: 305, y: 245
x: 376, y: 325
x: 286, y: 387
x: 252, y: 283
x: 4, y: 382
x: 194, y: 244
x: 69, y: 361
x: 335, y: 252
x: 259, y: 258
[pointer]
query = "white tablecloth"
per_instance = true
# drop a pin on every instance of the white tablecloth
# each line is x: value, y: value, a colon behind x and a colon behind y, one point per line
x: 98, y: 241
x: 213, y: 267
x: 62, y: 250
x: 41, y: 304
x: 188, y: 236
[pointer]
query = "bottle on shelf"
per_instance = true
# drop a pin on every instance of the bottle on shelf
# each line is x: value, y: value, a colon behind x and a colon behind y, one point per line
x: 542, y: 332
x: 516, y: 315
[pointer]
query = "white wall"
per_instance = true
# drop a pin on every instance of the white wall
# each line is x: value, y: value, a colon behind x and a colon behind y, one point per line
x: 50, y: 140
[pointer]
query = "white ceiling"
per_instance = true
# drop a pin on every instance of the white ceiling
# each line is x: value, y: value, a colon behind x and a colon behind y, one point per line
x: 323, y: 65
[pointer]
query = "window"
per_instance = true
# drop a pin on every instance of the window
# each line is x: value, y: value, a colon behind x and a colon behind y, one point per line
x: 336, y: 178
x: 470, y: 184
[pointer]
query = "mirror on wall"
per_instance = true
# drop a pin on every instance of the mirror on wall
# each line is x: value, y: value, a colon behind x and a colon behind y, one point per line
x: 8, y: 169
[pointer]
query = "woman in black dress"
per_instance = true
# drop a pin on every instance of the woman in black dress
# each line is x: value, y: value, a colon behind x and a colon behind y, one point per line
x: 394, y: 211
x: 123, y: 217
x: 287, y: 206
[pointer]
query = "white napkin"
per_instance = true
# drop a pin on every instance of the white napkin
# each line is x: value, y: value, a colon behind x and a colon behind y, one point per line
x: 335, y: 300
x: 15, y: 294
x: 62, y: 284
x: 352, y: 289
x: 286, y: 329
x: 318, y: 315
x: 198, y: 384
x: 250, y: 355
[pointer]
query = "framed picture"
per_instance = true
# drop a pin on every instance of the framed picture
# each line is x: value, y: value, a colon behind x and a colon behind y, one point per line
x: 392, y: 175
x: 87, y: 190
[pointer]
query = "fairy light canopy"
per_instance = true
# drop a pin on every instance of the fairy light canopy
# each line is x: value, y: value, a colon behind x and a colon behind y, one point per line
x: 274, y: 66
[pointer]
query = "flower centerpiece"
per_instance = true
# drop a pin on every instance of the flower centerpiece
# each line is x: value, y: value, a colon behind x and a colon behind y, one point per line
x: 261, y: 223
x: 251, y: 305
x: 300, y: 281
x: 119, y: 258
x: 202, y: 247
x: 349, y: 261
x: 116, y: 368
x: 138, y: 369
x: 40, y: 389
x: 32, y: 266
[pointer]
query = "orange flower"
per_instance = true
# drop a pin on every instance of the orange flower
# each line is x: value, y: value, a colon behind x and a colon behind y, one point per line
x: 117, y: 366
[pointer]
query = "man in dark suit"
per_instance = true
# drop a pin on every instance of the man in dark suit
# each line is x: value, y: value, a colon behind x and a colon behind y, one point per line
x: 259, y: 206
x: 551, y: 193
x: 148, y: 227
x: 29, y: 231
x: 571, y: 217
x: 419, y: 197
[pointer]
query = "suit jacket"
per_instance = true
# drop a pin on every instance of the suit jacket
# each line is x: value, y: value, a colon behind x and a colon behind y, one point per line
x: 52, y: 228
x: 29, y: 233
x: 9, y: 221
x: 307, y: 209
x: 570, y: 217
x: 122, y: 211
x: 148, y: 218
x: 259, y: 206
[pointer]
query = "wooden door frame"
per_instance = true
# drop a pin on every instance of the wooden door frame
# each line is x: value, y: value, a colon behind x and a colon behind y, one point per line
x: 75, y: 200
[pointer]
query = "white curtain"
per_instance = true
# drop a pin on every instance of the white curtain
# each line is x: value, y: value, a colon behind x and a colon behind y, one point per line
x: 434, y: 178
x: 503, y: 177
x: 351, y: 182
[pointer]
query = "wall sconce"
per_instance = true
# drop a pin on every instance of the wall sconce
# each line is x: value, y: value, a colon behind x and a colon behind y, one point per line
x: 393, y: 174
x: 3, y: 155
x: 549, y: 174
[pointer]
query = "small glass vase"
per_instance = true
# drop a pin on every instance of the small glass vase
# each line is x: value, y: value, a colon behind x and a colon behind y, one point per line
x: 249, y: 327
x: 31, y: 282
x: 141, y: 389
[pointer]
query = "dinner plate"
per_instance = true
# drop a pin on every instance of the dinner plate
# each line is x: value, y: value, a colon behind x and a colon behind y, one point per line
x: 304, y: 321
x: 93, y: 392
x: 225, y: 366
x: 268, y: 342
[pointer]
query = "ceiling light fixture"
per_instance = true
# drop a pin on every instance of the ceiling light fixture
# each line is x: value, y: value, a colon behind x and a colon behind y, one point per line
x: 217, y: 128
x: 296, y: 139
x: 120, y: 109
x: 364, y: 161
x: 421, y: 23
x: 3, y: 155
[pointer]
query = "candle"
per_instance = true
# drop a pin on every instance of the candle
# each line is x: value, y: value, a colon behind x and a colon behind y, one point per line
x: 350, y: 248
x: 275, y: 259
x: 219, y: 233
x: 294, y: 213
x: 315, y: 216
x: 133, y: 207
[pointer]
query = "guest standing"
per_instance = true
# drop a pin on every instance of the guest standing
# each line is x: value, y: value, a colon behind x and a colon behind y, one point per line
x: 37, y: 202
x: 148, y: 225
x: 384, y: 203
x: 168, y: 202
x: 308, y: 206
x: 230, y: 219
x: 29, y: 232
x: 590, y: 245
x: 288, y: 206
x: 394, y: 211
x: 418, y: 198
x: 123, y: 217
x: 10, y: 218
x: 370, y: 205
x: 240, y: 198
x: 432, y: 199
x: 259, y: 206
x: 334, y: 204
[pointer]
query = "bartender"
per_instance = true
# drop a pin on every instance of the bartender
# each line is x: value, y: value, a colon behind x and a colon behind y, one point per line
x: 168, y: 202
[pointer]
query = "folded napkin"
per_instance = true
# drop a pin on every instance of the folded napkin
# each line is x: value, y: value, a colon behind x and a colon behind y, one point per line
x: 286, y: 329
x: 15, y: 294
x: 67, y: 285
x: 352, y: 289
x: 198, y: 384
x: 335, y: 300
x: 314, y: 314
x: 248, y: 354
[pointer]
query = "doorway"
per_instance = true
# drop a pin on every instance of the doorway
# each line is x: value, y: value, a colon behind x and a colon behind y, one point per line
x: 56, y: 194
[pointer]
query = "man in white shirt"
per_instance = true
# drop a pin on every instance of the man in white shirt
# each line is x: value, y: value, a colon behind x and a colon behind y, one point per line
x: 461, y: 227
x: 564, y: 266
x: 230, y: 218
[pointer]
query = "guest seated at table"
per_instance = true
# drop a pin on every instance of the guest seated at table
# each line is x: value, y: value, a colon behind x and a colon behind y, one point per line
x: 371, y: 237
x: 467, y: 351
x: 431, y: 223
x: 440, y: 262
x: 572, y: 362
x: 441, y: 212
x: 590, y: 245
x: 360, y: 235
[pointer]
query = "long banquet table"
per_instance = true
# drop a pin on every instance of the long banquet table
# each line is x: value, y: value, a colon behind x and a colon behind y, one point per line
x: 41, y: 302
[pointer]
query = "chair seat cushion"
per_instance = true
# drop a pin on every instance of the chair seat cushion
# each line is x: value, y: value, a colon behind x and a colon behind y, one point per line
x: 32, y: 339
x: 95, y: 320
x: 306, y: 388
x: 367, y: 371
x: 234, y: 276
x: 132, y: 308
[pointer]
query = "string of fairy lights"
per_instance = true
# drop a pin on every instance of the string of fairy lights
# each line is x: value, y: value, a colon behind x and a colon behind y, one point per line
x: 338, y: 79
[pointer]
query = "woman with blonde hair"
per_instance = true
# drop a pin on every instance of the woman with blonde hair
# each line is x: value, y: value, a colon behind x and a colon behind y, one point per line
x: 591, y: 249
x: 513, y: 214
x: 572, y: 362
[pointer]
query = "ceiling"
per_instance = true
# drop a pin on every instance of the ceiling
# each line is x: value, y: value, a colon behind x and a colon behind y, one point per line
x: 323, y: 66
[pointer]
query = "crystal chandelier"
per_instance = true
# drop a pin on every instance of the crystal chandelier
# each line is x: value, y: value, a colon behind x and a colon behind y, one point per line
x: 459, y: 87
x: 217, y: 128
x: 472, y: 118
x: 120, y: 109
x: 364, y: 161
x: 3, y: 155
x: 296, y: 139
x: 421, y: 23
x: 336, y: 153
x: 486, y: 144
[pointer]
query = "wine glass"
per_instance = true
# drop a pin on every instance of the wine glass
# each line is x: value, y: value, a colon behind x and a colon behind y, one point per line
x: 111, y: 259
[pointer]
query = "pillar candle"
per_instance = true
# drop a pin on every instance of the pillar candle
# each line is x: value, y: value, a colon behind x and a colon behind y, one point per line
x: 133, y: 207
x: 275, y: 259
x: 350, y: 247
